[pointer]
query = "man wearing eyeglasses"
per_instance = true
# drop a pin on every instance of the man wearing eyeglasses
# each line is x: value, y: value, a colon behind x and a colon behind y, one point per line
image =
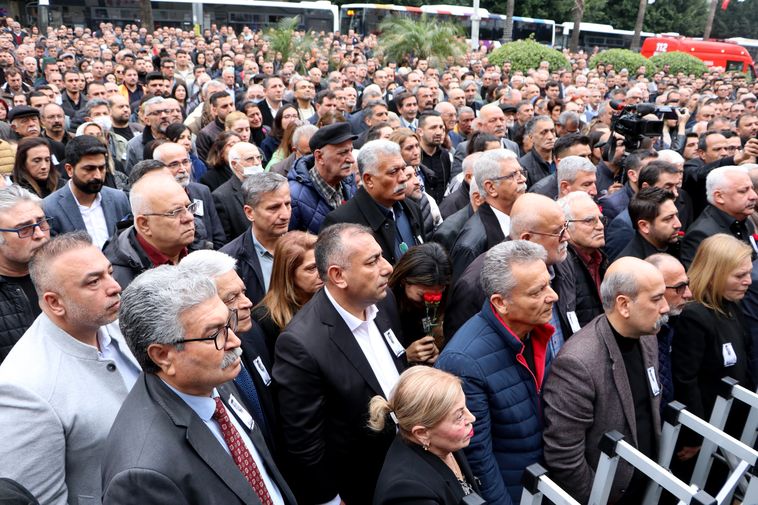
x: 164, y: 227
x: 156, y: 117
x: 182, y: 436
x: 209, y: 232
x: 62, y: 384
x: 24, y: 230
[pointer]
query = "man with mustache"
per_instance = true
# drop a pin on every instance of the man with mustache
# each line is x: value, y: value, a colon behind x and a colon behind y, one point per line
x: 501, y: 355
x: 64, y: 381
x: 184, y: 417
x: 606, y: 378
x: 157, y: 117
x: 84, y: 203
x: 380, y: 203
x: 24, y: 121
x: 164, y: 226
x: 655, y: 220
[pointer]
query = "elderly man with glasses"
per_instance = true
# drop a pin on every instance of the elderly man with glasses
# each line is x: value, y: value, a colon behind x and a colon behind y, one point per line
x: 164, y: 227
x: 184, y: 435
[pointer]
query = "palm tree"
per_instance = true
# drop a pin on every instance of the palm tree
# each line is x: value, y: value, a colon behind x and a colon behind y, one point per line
x: 638, y: 25
x: 283, y: 38
x: 423, y: 38
x: 709, y: 21
x: 508, y: 30
x: 578, y: 15
x: 146, y: 10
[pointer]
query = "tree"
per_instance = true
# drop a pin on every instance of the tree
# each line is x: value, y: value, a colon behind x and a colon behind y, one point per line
x: 285, y: 39
x: 709, y: 20
x: 578, y: 15
x: 423, y: 38
x: 146, y: 11
x: 508, y: 32
x: 638, y: 25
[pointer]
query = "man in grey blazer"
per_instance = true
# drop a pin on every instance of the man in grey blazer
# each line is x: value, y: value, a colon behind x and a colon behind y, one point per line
x: 64, y: 381
x: 183, y: 434
x: 84, y: 203
x: 606, y: 378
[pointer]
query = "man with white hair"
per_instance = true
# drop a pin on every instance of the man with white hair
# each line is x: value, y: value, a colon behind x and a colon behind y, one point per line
x: 209, y: 233
x: 501, y: 181
x: 732, y: 200
x: 245, y: 160
x: 156, y: 119
x: 491, y: 120
x: 604, y: 379
x: 380, y: 203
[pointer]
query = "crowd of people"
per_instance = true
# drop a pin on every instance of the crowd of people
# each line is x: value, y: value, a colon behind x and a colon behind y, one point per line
x: 229, y: 278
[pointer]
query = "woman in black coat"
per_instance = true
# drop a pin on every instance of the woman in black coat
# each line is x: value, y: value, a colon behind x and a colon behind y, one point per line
x: 710, y: 336
x: 425, y: 464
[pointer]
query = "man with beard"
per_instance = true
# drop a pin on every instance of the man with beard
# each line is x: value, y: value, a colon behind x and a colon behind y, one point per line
x: 84, y: 203
x: 156, y: 115
x: 221, y: 105
x: 430, y: 212
x: 655, y: 219
x: 164, y: 226
x: 677, y: 295
x: 380, y: 203
x: 209, y: 233
x: 27, y: 229
x: 431, y: 131
x: 184, y: 416
x: 65, y: 380
x: 120, y: 114
x: 605, y: 378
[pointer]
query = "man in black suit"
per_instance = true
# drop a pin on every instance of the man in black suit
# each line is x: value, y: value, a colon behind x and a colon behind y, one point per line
x: 431, y: 132
x: 656, y: 224
x: 208, y: 231
x: 245, y: 160
x: 183, y: 417
x: 341, y: 349
x: 732, y: 200
x: 267, y: 207
x: 273, y: 88
x: 500, y: 180
x: 380, y: 203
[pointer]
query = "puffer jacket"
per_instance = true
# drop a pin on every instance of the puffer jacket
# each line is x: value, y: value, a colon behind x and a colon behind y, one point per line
x: 16, y: 314
x: 308, y: 206
x: 126, y: 256
x: 7, y: 157
x: 505, y: 397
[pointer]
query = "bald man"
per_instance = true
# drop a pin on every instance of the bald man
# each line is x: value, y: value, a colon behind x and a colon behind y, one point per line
x: 164, y: 226
x: 606, y: 378
x: 538, y: 219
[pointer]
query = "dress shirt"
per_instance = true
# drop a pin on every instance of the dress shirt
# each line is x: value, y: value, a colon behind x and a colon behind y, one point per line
x: 94, y: 218
x: 372, y: 344
x: 504, y: 220
x: 412, y: 125
x: 265, y: 258
x: 204, y: 407
x: 110, y: 351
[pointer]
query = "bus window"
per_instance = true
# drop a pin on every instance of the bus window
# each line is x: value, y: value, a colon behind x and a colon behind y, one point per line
x: 734, y: 66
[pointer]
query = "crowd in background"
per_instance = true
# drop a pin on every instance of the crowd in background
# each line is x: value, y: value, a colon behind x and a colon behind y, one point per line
x: 230, y: 278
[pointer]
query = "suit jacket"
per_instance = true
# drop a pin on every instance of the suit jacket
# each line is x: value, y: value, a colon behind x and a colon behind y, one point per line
x: 448, y: 231
x: 62, y: 206
x: 58, y: 401
x: 455, y: 201
x: 460, y: 154
x: 615, y: 203
x: 209, y: 232
x: 710, y: 222
x: 547, y: 186
x: 480, y: 233
x: 248, y: 266
x: 362, y: 209
x: 160, y: 451
x: 324, y: 386
x: 432, y: 481
x: 640, y: 248
x: 587, y: 394
x: 229, y: 203
x: 268, y: 117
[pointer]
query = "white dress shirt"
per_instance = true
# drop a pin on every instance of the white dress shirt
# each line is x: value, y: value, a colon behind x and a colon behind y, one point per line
x: 94, y: 219
x: 504, y: 220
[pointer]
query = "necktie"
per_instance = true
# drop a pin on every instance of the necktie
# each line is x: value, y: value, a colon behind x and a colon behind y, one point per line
x: 242, y: 457
x: 246, y: 386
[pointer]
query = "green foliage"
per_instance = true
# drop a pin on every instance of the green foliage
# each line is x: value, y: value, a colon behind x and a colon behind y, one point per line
x: 284, y: 38
x: 685, y: 17
x: 526, y: 54
x: 423, y: 38
x: 679, y: 62
x: 620, y: 58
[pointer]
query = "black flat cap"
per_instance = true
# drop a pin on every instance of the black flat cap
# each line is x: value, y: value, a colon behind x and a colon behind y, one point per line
x: 336, y: 133
x: 506, y: 107
x: 22, y: 111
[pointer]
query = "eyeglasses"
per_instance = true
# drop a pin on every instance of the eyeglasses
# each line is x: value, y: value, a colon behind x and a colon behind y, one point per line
x: 590, y: 221
x: 186, y: 162
x: 159, y: 112
x: 510, y: 176
x: 173, y: 214
x: 680, y: 288
x: 27, y: 230
x: 220, y: 343
x: 561, y: 233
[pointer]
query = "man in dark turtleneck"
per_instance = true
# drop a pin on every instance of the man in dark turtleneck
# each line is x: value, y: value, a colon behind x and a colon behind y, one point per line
x: 606, y: 378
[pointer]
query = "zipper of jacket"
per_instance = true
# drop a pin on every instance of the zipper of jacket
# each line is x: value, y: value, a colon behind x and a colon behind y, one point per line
x: 522, y: 361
